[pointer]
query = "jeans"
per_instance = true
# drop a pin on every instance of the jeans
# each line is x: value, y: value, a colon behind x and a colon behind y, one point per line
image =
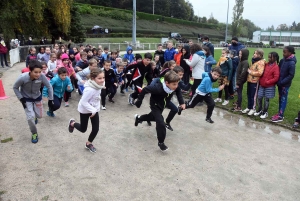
x: 283, y: 98
x: 3, y: 57
x: 251, y: 92
x: 57, y: 103
x: 84, y: 120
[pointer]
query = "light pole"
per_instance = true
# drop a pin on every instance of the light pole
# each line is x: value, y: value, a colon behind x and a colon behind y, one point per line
x: 153, y: 6
x: 227, y: 23
x: 134, y: 24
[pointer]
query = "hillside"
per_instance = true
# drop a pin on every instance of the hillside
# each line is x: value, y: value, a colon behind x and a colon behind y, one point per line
x: 148, y: 26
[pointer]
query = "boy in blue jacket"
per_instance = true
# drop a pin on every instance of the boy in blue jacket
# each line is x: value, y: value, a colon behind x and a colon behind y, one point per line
x: 170, y: 52
x: 204, y: 90
x: 129, y: 56
x: 60, y: 83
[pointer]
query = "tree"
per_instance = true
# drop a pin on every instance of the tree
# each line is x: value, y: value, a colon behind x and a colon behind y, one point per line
x: 282, y: 27
x: 237, y: 17
x: 204, y: 20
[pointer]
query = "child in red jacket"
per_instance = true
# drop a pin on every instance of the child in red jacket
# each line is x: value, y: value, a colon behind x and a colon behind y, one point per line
x: 267, y: 85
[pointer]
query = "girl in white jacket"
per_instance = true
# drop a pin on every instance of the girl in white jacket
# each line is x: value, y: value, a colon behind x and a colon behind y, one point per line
x: 89, y: 106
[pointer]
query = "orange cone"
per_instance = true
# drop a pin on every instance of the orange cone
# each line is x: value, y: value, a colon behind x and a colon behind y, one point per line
x: 2, y: 92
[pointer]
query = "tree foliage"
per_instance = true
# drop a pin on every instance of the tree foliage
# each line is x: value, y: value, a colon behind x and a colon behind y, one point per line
x: 237, y: 17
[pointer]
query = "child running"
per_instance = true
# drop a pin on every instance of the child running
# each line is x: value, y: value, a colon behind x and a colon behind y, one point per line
x: 203, y: 92
x: 82, y: 76
x: 267, y: 85
x: 287, y: 72
x: 169, y: 65
x: 161, y: 94
x: 110, y: 80
x: 89, y: 106
x: 27, y: 89
x: 60, y: 84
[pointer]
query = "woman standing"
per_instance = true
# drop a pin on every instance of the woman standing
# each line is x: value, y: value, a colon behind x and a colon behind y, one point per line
x: 3, y: 52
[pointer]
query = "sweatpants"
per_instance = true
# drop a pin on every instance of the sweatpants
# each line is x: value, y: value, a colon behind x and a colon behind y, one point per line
x: 172, y: 113
x: 113, y: 91
x: 240, y: 95
x: 197, y: 82
x: 283, y: 98
x: 207, y: 99
x: 104, y: 92
x: 84, y: 120
x: 67, y: 95
x: 156, y: 115
x: 57, y: 103
x: 186, y: 77
x: 252, y: 93
x: 33, y: 110
x: 135, y: 94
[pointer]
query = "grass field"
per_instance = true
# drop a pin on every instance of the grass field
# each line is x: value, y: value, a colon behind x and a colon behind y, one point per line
x: 293, y: 105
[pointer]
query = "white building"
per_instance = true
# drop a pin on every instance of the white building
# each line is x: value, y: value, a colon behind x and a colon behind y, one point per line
x: 279, y: 37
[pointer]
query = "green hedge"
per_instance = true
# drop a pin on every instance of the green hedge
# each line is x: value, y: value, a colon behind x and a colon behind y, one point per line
x: 89, y: 9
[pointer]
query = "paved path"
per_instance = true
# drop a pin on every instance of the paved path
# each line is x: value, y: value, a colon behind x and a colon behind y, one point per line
x: 233, y: 159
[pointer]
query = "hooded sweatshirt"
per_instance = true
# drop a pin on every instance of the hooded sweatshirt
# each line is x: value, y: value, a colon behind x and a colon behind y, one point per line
x: 206, y: 85
x: 242, y: 69
x: 197, y: 63
x: 59, y: 86
x: 129, y: 56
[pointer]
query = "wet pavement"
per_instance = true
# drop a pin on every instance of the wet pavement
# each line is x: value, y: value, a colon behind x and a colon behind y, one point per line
x: 235, y: 158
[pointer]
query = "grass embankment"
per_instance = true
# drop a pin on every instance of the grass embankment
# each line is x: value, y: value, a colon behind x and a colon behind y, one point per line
x: 293, y: 105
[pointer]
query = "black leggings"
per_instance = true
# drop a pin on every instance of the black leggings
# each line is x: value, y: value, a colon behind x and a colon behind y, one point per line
x: 226, y: 89
x: 207, y: 99
x: 156, y: 115
x: 84, y: 120
x: 129, y: 80
x: 260, y: 104
x: 197, y: 82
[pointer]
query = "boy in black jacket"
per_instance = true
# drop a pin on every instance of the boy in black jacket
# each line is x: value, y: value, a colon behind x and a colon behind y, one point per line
x: 138, y: 75
x: 110, y: 80
x: 161, y: 94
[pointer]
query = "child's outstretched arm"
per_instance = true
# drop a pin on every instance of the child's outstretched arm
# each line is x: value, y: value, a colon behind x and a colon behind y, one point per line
x: 69, y: 86
x: 48, y: 85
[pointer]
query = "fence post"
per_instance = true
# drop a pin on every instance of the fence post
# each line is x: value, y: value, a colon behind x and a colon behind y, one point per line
x: 149, y: 46
x: 119, y: 47
x: 109, y: 46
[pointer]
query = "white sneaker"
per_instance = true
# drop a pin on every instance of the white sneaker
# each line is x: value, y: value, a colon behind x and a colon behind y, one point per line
x: 245, y: 111
x: 225, y: 102
x: 218, y: 100
x: 103, y: 107
x: 263, y: 116
x: 258, y: 113
x: 251, y: 112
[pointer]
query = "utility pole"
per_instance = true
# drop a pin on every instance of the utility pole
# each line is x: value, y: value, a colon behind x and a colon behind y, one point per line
x: 153, y: 6
x: 227, y: 23
x: 134, y: 24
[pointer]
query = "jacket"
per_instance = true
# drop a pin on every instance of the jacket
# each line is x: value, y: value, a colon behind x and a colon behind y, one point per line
x: 242, y: 69
x: 29, y: 89
x: 206, y: 84
x: 159, y: 98
x: 90, y: 100
x: 177, y: 58
x: 110, y: 77
x: 169, y: 54
x: 257, y: 69
x: 119, y: 75
x: 181, y: 84
x: 3, y: 49
x: 237, y: 48
x: 139, y: 71
x: 211, y: 48
x: 161, y: 56
x: 82, y: 75
x: 59, y: 86
x: 197, y: 63
x: 82, y: 64
x: 287, y: 71
x: 30, y: 57
x: 70, y: 69
x: 129, y: 57
x: 270, y: 75
x: 225, y: 63
x: 211, y: 60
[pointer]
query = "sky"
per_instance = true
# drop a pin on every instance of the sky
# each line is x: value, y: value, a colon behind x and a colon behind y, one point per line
x: 276, y: 11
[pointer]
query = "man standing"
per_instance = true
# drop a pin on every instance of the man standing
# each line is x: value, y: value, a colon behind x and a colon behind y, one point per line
x: 208, y: 44
x: 235, y: 45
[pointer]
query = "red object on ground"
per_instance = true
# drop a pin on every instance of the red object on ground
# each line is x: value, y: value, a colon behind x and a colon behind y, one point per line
x: 2, y: 92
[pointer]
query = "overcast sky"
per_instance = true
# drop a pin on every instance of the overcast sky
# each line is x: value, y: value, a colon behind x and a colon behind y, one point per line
x: 275, y: 11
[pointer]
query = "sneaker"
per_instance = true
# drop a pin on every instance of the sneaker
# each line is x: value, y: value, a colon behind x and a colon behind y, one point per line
x: 237, y: 109
x: 245, y: 111
x: 130, y: 99
x: 126, y: 89
x: 179, y: 110
x: 76, y: 90
x: 149, y: 123
x: 218, y: 100
x: 163, y: 147
x: 36, y: 120
x: 50, y: 114
x: 296, y: 125
x: 209, y: 120
x: 258, y: 113
x: 91, y: 148
x: 111, y: 100
x: 225, y: 102
x: 263, y: 116
x: 274, y: 116
x: 103, y: 107
x: 251, y: 112
x: 277, y: 119
x: 137, y: 121
x: 71, y: 128
x: 66, y: 104
x: 34, y: 138
x: 168, y: 126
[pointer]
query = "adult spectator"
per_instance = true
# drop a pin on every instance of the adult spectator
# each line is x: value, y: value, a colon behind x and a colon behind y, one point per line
x: 3, y: 52
x: 235, y: 45
x: 191, y: 43
x: 208, y: 44
x: 170, y: 52
x: 29, y: 42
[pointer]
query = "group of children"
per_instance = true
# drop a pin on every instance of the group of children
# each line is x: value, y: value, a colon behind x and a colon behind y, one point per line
x: 97, y: 75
